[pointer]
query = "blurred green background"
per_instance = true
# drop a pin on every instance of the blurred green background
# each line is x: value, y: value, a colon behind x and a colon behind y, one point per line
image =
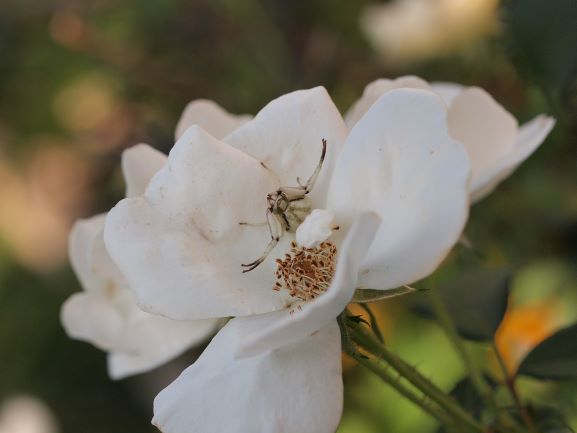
x: 82, y: 79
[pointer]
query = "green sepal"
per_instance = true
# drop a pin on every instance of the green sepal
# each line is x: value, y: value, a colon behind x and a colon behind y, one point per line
x: 363, y: 296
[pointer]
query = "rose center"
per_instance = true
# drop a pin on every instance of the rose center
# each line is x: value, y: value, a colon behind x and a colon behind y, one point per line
x: 306, y: 272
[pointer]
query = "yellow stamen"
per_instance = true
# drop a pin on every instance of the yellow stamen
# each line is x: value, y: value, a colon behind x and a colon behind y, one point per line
x: 306, y: 272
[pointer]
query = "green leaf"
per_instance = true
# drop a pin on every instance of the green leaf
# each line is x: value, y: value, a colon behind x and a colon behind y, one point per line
x: 362, y: 296
x: 541, y: 37
x: 549, y: 420
x: 467, y: 396
x: 555, y: 358
x: 476, y: 302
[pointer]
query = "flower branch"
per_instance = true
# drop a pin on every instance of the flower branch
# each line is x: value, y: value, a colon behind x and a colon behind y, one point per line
x: 451, y: 332
x: 370, y: 343
x: 509, y: 381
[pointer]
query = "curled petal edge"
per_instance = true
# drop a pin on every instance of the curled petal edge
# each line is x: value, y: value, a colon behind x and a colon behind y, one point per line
x: 531, y: 135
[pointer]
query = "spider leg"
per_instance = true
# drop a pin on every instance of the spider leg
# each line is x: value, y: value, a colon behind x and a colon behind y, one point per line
x: 276, y: 231
x: 297, y: 197
x: 286, y: 222
x: 308, y: 186
x: 253, y: 224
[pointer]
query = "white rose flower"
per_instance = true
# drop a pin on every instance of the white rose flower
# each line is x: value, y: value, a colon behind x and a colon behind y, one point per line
x: 211, y: 117
x: 396, y: 185
x: 26, y: 414
x: 404, y: 31
x: 495, y: 143
x: 106, y: 313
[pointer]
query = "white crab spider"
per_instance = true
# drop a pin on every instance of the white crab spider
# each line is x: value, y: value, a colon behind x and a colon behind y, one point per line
x: 287, y: 209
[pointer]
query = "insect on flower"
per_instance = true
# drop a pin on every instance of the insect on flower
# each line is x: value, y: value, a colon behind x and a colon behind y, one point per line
x: 287, y: 209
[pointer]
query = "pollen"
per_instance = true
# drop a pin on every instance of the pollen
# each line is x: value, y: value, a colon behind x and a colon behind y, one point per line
x: 306, y: 272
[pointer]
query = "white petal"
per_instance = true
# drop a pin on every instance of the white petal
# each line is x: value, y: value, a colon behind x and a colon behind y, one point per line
x: 152, y: 341
x: 400, y: 162
x: 102, y: 265
x: 108, y: 317
x: 316, y: 228
x: 485, y: 128
x: 181, y: 246
x: 286, y: 136
x: 83, y: 236
x: 139, y: 164
x: 91, y: 317
x: 137, y: 341
x: 210, y: 117
x: 378, y: 88
x: 447, y: 91
x: 295, y: 389
x: 313, y: 315
x: 530, y: 136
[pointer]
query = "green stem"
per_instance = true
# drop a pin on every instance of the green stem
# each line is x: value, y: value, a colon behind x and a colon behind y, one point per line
x: 347, y: 344
x: 449, y: 327
x: 474, y: 372
x: 373, y: 321
x: 420, y: 401
x: 510, y: 383
x: 408, y: 372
